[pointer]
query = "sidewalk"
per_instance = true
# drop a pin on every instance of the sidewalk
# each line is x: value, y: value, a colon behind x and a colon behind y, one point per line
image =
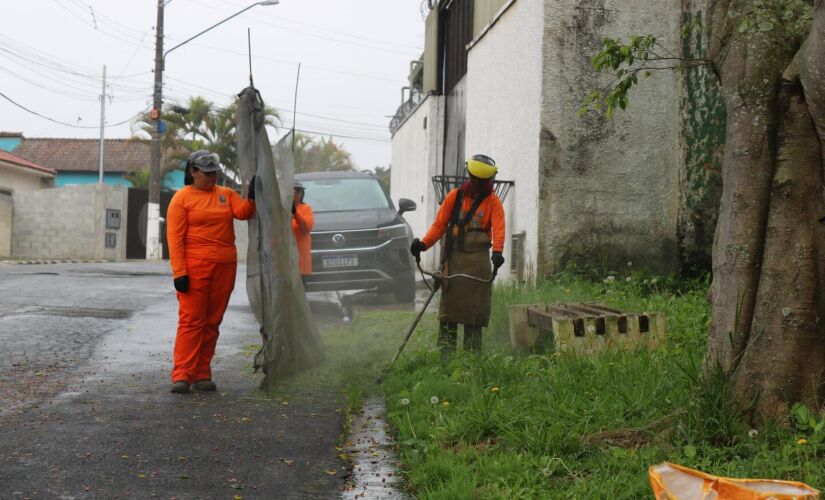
x: 118, y: 433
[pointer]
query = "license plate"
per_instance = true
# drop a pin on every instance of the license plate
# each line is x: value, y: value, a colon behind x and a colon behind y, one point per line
x: 336, y: 262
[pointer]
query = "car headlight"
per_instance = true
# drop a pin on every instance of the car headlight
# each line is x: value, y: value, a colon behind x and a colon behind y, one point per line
x: 392, y: 232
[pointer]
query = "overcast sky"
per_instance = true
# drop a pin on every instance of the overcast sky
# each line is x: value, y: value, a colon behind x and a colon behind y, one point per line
x: 354, y: 57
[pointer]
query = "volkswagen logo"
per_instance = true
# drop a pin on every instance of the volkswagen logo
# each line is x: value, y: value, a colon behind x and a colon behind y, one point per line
x: 338, y: 240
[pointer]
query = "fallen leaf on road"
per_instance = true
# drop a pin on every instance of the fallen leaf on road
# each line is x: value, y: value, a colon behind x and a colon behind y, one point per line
x: 141, y: 475
x: 331, y: 472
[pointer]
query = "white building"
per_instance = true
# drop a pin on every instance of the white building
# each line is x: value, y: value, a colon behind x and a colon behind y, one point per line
x: 507, y: 78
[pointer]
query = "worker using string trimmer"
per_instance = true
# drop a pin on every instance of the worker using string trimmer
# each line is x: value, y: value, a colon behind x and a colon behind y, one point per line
x: 472, y: 217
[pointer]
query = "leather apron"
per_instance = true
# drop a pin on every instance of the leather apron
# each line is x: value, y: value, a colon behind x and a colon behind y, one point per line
x: 463, y: 300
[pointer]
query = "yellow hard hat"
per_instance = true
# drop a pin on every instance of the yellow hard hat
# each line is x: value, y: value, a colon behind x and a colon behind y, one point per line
x: 482, y: 167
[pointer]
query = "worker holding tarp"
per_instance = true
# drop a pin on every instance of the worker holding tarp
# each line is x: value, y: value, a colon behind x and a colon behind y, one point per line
x: 302, y: 222
x: 204, y: 261
x: 472, y: 217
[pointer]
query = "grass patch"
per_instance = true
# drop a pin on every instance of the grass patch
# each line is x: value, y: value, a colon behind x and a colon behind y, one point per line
x: 556, y: 426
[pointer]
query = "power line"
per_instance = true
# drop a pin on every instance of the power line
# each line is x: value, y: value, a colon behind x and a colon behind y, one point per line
x: 24, y: 108
x: 342, y: 136
x: 312, y: 35
x: 343, y: 33
x: 53, y: 64
x: 313, y: 115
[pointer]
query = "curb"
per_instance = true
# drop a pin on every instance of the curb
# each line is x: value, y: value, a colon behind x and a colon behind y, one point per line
x: 54, y: 261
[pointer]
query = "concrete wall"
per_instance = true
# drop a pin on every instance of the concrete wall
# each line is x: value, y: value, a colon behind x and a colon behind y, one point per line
x: 416, y: 158
x: 22, y: 179
x: 503, y: 90
x: 609, y: 188
x: 68, y: 223
x: 5, y: 222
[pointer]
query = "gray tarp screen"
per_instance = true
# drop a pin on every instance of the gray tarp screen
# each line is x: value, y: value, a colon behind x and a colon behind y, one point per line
x: 291, y: 341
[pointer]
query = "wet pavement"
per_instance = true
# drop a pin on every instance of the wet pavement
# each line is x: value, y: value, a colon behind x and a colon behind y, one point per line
x: 372, y: 451
x: 85, y: 412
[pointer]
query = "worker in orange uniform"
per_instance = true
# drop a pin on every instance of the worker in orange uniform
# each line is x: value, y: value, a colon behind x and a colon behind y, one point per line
x: 472, y: 217
x: 302, y: 222
x: 204, y: 260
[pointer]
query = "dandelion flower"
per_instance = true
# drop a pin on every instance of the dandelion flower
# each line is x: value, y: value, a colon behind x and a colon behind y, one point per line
x: 802, y: 442
x: 494, y: 389
x: 753, y: 433
x: 446, y: 404
x: 645, y: 282
x: 654, y: 280
x: 629, y: 264
x: 434, y: 400
x: 628, y: 279
x: 405, y: 401
x: 611, y: 278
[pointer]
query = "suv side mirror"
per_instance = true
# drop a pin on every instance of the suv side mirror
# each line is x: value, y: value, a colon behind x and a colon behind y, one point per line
x: 406, y: 205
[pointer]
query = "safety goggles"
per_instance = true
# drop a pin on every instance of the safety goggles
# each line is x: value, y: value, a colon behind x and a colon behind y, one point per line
x: 206, y: 161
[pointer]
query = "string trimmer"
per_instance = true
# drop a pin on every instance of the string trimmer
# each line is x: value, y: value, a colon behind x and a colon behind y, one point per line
x: 437, y: 279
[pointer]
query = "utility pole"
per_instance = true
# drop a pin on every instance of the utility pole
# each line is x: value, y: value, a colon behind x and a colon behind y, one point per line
x: 153, y: 245
x: 102, y: 125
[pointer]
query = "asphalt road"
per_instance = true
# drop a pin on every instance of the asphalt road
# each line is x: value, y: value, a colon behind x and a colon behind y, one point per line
x: 85, y: 412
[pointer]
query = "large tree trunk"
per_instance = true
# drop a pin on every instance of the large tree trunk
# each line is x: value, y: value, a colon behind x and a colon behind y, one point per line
x: 769, y: 251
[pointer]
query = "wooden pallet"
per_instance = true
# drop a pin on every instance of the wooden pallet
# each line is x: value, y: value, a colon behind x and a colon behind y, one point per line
x: 582, y: 327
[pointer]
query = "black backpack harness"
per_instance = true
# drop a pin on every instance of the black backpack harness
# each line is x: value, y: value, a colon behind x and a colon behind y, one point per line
x: 460, y: 224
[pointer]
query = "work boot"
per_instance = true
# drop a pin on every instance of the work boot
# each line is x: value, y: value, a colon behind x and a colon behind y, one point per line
x: 205, y: 385
x: 472, y: 338
x: 180, y: 387
x: 447, y: 337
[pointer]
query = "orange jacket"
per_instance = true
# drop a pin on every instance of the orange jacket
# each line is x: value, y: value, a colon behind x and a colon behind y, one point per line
x: 302, y: 223
x: 199, y: 225
x: 490, y: 216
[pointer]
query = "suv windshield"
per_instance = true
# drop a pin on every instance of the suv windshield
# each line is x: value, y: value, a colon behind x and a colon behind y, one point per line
x: 334, y: 195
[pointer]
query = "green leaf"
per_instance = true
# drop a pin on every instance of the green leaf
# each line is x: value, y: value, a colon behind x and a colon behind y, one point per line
x: 744, y: 25
x: 689, y: 451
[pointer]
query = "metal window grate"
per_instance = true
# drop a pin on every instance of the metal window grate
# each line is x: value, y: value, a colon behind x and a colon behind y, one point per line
x: 443, y: 184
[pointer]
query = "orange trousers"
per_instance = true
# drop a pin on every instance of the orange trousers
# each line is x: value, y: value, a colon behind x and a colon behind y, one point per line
x: 200, y: 313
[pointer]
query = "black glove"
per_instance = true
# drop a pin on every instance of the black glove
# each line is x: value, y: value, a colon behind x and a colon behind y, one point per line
x: 251, y: 193
x: 293, y: 207
x: 182, y: 284
x: 498, y: 260
x: 416, y: 248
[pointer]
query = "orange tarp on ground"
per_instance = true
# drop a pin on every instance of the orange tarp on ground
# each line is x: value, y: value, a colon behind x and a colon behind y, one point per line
x: 675, y: 482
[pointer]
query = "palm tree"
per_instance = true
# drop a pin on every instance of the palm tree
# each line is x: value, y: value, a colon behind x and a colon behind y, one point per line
x: 198, y: 125
x: 323, y: 156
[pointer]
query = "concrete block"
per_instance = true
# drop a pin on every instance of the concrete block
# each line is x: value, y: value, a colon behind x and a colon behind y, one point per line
x: 583, y: 328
